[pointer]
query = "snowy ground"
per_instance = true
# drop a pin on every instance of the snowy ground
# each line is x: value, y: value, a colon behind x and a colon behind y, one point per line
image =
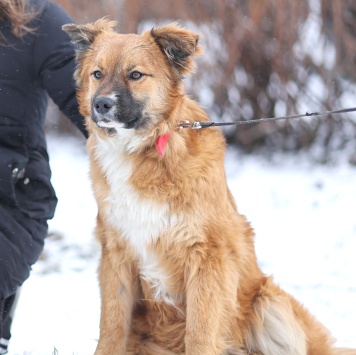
x: 303, y: 215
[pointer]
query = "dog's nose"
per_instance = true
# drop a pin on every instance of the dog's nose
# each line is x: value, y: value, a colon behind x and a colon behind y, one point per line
x: 103, y: 105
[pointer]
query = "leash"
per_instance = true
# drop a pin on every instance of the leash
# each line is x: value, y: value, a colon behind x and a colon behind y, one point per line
x: 199, y: 125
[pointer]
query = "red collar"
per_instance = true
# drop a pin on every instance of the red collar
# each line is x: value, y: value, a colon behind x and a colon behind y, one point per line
x: 161, y: 143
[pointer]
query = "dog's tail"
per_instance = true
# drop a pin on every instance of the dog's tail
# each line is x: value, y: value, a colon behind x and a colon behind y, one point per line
x: 344, y: 351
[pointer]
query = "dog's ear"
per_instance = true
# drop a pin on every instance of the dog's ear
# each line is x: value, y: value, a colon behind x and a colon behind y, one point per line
x: 83, y: 35
x: 179, y: 45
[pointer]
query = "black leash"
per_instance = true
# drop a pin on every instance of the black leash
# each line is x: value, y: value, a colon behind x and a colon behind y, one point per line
x: 199, y: 125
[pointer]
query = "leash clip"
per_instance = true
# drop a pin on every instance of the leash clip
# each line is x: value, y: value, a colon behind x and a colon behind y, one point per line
x: 191, y: 125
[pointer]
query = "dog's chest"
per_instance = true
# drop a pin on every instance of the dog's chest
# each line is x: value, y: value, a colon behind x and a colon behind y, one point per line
x: 157, y: 280
x: 138, y: 219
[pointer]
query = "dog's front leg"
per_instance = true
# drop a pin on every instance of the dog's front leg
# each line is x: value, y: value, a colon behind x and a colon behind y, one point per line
x: 211, y: 301
x: 118, y: 286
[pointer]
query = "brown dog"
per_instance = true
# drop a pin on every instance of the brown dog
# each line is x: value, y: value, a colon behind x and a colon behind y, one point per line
x: 178, y: 272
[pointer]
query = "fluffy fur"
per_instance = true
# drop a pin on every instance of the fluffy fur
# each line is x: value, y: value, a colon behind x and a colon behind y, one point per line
x: 178, y: 272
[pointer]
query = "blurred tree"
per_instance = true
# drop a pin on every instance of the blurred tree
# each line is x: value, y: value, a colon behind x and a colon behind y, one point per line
x: 262, y: 58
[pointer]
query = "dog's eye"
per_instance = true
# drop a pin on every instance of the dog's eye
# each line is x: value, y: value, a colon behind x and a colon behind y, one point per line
x: 135, y: 75
x: 97, y: 74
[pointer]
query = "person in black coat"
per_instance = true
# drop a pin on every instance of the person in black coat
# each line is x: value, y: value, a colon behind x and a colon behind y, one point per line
x: 36, y: 60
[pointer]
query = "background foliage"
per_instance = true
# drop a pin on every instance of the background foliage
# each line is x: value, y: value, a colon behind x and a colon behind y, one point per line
x: 262, y: 58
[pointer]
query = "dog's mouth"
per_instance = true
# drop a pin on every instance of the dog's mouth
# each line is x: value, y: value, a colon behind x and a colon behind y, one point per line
x: 105, y: 123
x: 110, y: 124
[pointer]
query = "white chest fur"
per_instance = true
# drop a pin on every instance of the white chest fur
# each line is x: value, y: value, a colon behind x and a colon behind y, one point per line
x: 140, y: 220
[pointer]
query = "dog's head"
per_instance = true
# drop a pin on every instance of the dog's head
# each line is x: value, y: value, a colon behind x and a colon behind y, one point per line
x: 127, y: 81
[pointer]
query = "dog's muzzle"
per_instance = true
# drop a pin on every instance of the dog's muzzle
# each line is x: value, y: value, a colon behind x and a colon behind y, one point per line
x: 103, y: 112
x: 121, y: 112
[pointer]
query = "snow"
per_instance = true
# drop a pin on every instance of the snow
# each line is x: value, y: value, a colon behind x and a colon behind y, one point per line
x: 305, y: 226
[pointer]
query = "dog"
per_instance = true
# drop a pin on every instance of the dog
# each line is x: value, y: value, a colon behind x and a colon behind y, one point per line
x: 178, y: 272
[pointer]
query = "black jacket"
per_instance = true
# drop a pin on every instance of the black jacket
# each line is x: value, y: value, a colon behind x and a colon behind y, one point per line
x: 31, y: 68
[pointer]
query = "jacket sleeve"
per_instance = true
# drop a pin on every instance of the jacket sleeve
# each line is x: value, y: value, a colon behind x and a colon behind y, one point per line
x: 54, y: 61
